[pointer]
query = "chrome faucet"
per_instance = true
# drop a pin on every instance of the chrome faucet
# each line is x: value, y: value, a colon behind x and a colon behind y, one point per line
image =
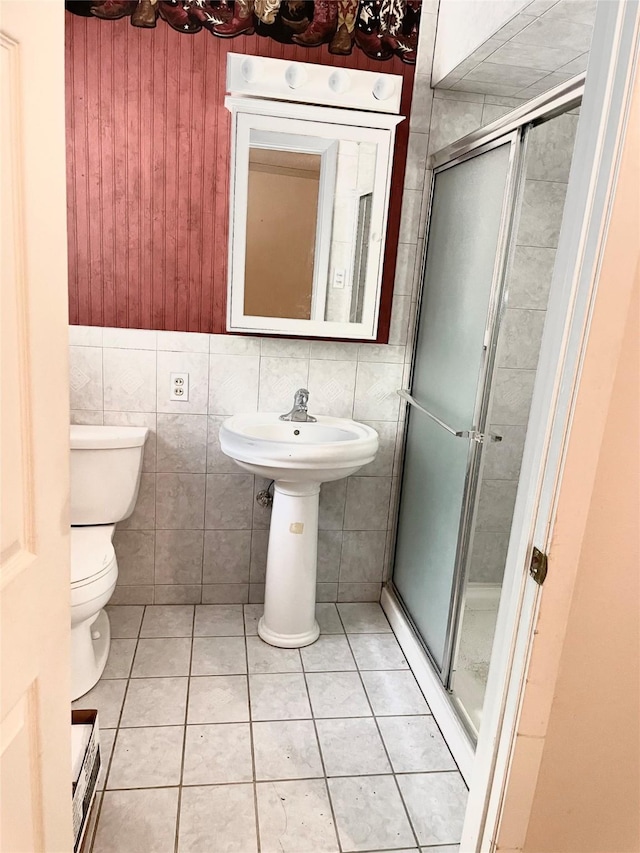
x: 299, y: 411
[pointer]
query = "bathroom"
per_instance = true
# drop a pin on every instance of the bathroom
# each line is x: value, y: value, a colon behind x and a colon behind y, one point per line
x: 217, y: 732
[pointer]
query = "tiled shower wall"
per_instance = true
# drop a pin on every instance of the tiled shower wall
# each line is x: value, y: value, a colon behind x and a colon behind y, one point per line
x: 197, y: 533
x: 548, y: 160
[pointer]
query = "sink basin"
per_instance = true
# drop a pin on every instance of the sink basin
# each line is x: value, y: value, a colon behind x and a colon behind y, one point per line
x: 298, y: 456
x: 298, y: 451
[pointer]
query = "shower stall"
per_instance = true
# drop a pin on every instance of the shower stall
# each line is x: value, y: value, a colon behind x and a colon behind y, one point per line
x: 497, y: 199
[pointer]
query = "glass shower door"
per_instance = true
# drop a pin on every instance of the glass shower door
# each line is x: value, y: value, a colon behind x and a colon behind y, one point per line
x: 533, y: 245
x: 461, y: 278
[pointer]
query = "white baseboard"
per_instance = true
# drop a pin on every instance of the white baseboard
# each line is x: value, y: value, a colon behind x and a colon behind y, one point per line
x: 445, y: 716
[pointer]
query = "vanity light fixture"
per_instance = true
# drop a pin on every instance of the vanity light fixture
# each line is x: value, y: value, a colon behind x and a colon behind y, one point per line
x: 309, y: 196
x: 308, y: 83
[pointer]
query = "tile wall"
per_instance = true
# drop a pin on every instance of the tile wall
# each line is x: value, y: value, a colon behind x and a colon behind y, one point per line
x: 549, y: 152
x: 197, y: 533
x: 542, y: 46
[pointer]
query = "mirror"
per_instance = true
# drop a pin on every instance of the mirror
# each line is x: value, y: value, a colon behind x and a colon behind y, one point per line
x: 308, y: 217
x: 286, y: 216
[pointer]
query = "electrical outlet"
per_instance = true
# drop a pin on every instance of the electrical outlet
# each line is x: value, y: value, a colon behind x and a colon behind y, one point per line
x: 179, y: 389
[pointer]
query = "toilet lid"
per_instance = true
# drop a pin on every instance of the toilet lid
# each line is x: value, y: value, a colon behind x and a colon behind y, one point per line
x: 92, y: 552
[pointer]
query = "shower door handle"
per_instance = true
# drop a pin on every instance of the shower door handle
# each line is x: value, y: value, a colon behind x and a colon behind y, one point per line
x: 473, y: 434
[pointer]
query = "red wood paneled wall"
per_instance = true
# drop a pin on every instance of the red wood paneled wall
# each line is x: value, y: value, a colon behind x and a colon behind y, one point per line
x: 148, y: 172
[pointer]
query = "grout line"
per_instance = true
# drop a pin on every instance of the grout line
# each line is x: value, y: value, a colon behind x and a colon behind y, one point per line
x: 324, y: 769
x: 382, y: 740
x: 163, y: 787
x: 276, y: 719
x: 115, y: 737
x: 253, y: 753
x: 204, y: 508
x: 276, y: 781
x: 266, y: 672
x: 155, y: 491
x: 184, y: 736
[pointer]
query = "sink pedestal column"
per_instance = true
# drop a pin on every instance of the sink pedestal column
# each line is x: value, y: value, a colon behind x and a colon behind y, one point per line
x: 289, y: 619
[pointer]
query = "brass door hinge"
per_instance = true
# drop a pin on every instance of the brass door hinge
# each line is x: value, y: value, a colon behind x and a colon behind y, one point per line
x: 538, y: 566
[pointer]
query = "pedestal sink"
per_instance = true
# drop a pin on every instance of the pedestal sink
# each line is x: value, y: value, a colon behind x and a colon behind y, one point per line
x: 298, y: 456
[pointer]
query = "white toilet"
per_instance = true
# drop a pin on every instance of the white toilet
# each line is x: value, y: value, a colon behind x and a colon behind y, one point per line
x: 105, y: 476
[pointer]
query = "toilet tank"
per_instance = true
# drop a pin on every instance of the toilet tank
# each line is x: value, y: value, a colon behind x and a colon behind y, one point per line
x: 106, y: 462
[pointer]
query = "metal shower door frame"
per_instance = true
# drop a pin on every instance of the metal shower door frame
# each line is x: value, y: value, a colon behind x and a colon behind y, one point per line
x: 497, y: 302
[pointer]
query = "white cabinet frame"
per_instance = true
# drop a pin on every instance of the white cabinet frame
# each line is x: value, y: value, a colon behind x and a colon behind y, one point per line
x: 308, y: 129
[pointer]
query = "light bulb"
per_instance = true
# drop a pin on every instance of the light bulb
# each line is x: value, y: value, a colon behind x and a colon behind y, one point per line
x: 295, y: 75
x: 383, y: 88
x: 339, y: 81
x: 250, y: 69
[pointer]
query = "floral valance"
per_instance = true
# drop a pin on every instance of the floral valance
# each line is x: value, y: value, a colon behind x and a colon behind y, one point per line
x: 380, y: 28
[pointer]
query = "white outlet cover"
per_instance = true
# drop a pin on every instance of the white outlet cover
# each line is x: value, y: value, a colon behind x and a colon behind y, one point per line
x: 179, y: 387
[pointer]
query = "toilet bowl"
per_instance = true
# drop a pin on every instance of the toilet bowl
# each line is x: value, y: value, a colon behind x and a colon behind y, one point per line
x: 94, y: 572
x: 106, y: 463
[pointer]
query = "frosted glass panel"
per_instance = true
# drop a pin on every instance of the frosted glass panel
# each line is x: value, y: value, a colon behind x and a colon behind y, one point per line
x: 528, y: 286
x: 432, y: 492
x: 461, y: 257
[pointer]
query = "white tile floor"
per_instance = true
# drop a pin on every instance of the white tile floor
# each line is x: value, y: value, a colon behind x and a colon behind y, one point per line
x: 215, y: 742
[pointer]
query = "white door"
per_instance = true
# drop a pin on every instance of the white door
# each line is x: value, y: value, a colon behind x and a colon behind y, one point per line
x: 35, y: 793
